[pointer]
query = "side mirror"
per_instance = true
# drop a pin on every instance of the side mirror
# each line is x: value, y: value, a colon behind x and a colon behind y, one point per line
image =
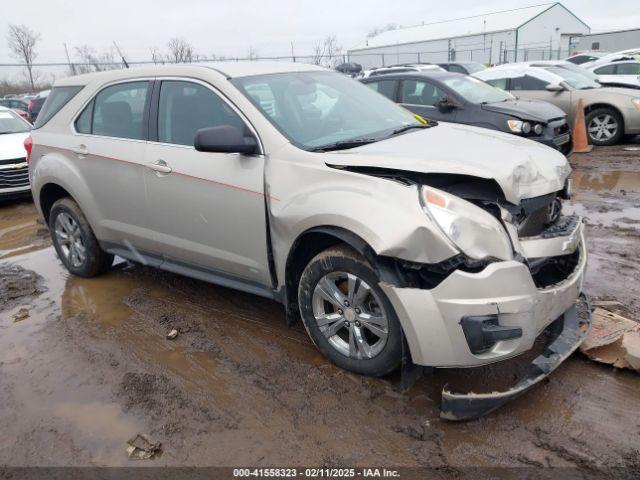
x: 555, y: 87
x: 225, y: 139
x: 446, y: 105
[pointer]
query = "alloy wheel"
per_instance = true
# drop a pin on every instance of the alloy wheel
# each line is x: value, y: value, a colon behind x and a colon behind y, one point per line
x: 350, y: 315
x: 69, y: 238
x: 603, y: 127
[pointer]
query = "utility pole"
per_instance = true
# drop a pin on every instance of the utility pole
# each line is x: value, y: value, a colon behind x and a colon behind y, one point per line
x: 126, y: 65
x: 71, y: 65
x: 292, y: 55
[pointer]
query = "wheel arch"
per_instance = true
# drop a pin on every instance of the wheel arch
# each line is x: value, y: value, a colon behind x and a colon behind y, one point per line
x: 306, y: 246
x: 49, y: 194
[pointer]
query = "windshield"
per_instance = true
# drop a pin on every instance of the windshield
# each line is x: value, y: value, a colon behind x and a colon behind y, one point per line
x: 574, y: 78
x: 476, y: 91
x: 12, y: 123
x: 474, y: 67
x: 316, y: 109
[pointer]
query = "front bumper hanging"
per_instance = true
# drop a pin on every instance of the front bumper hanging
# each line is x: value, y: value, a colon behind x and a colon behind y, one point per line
x: 573, y: 330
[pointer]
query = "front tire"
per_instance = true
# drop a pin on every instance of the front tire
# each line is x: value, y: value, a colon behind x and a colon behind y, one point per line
x: 604, y: 126
x: 347, y: 315
x: 75, y: 241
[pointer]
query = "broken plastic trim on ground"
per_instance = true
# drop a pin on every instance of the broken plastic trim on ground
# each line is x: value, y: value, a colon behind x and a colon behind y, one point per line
x: 568, y: 332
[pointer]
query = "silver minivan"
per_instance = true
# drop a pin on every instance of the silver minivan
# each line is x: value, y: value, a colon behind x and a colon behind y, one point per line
x: 399, y: 242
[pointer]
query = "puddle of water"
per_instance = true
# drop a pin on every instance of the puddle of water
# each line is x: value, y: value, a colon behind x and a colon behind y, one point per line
x: 609, y: 181
x: 20, y: 232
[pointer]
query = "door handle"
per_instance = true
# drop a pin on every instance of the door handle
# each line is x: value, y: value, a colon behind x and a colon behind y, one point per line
x: 81, y: 151
x: 160, y: 166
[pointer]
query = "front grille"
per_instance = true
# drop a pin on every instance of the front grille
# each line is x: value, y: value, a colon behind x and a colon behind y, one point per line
x: 12, y: 178
x: 561, y: 129
x: 12, y: 161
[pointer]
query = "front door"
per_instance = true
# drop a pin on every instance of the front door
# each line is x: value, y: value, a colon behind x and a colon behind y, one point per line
x: 533, y: 88
x: 422, y: 97
x: 207, y: 209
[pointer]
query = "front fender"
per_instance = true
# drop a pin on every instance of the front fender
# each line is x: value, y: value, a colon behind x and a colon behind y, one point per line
x: 386, y: 214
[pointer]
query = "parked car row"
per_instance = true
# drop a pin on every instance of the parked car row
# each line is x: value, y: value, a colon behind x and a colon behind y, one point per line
x: 27, y: 106
x: 396, y: 241
x: 610, y: 93
x: 610, y: 112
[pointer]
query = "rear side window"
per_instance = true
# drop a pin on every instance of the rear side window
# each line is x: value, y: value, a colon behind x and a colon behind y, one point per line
x: 628, y: 69
x: 57, y: 99
x: 606, y: 70
x: 385, y: 87
x: 117, y: 111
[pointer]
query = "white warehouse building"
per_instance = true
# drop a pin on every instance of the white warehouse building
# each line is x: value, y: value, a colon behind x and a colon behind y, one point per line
x: 531, y: 33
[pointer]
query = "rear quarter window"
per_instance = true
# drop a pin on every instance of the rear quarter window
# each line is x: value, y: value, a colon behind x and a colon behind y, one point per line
x: 57, y: 99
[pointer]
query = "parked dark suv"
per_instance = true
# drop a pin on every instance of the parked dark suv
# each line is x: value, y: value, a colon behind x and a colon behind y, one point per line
x: 456, y: 98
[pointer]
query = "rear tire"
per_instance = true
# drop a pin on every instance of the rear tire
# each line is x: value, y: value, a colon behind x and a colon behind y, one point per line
x: 604, y: 126
x: 347, y: 315
x: 75, y: 242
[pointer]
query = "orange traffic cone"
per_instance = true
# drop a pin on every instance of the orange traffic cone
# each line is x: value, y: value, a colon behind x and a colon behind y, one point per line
x: 579, y: 134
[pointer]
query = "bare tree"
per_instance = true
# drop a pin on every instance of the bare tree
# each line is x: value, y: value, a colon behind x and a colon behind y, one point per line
x: 22, y: 44
x: 180, y: 51
x: 385, y: 28
x: 326, y: 52
x: 156, y: 56
x: 332, y: 51
x: 252, y: 53
x: 91, y: 61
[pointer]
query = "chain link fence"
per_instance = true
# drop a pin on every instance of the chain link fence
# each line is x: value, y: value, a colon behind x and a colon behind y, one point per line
x: 12, y: 75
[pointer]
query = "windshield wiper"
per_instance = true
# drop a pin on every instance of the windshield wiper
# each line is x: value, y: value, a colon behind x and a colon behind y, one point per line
x: 431, y: 123
x: 344, y: 144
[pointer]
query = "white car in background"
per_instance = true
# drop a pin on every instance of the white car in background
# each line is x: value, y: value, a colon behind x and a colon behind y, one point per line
x: 402, y: 68
x: 630, y: 54
x: 623, y: 73
x: 586, y: 58
x: 14, y: 174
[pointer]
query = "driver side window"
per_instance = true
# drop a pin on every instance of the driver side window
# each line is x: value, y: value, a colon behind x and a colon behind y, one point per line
x: 417, y: 92
x: 527, y: 82
x: 187, y: 107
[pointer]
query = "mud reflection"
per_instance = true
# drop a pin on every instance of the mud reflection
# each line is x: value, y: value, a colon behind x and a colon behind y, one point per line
x: 608, y: 181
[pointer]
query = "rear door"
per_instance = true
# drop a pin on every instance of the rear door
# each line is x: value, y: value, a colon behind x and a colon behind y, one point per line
x: 606, y: 74
x: 207, y: 210
x: 629, y: 73
x: 422, y: 97
x: 109, y: 149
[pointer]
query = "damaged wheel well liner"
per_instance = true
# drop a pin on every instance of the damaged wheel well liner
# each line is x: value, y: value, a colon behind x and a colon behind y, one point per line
x: 398, y: 272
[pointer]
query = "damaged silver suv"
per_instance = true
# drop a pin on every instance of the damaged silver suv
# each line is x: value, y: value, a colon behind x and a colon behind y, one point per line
x: 398, y: 241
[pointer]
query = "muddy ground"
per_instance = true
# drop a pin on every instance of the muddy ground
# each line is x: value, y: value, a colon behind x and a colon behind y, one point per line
x: 85, y: 365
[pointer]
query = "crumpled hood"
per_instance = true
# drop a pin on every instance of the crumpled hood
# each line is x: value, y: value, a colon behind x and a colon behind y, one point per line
x: 12, y: 145
x: 522, y: 168
x: 526, y: 110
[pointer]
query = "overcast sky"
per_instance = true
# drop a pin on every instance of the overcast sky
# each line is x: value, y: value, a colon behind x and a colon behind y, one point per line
x: 230, y: 27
